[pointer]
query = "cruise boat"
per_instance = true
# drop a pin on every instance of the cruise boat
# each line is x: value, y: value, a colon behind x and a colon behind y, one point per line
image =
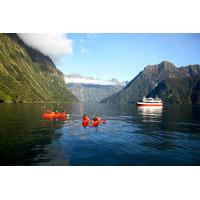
x: 150, y: 102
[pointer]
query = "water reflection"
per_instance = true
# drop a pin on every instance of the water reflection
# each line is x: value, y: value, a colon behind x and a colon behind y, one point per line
x: 53, y: 123
x: 131, y: 136
x: 150, y: 113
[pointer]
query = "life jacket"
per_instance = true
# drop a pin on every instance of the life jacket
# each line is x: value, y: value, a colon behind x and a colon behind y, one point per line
x: 85, y: 121
x: 96, y: 119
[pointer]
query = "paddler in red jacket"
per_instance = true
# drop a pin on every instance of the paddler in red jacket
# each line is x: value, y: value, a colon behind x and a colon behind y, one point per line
x: 85, y: 120
x: 96, y: 121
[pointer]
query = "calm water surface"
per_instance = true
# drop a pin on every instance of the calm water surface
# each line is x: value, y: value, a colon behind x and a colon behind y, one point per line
x: 131, y: 136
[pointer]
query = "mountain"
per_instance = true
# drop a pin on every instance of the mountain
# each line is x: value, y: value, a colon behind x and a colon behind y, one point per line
x: 165, y: 80
x: 26, y: 75
x: 77, y: 78
x: 88, y: 89
x: 180, y: 90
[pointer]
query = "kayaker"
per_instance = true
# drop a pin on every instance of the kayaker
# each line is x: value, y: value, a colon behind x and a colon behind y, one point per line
x: 85, y: 120
x: 96, y: 119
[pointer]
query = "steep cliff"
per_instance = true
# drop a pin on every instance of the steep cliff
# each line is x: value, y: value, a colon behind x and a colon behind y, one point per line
x: 26, y: 75
x: 174, y: 85
x: 89, y: 89
x: 92, y: 93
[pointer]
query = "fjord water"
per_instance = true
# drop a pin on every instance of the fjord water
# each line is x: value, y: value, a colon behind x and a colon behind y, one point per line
x: 131, y: 136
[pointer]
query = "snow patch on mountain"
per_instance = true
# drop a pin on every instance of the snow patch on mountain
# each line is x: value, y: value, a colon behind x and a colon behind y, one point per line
x: 77, y: 78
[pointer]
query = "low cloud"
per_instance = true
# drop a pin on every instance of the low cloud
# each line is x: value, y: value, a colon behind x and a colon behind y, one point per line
x: 76, y: 78
x: 87, y: 81
x: 54, y: 45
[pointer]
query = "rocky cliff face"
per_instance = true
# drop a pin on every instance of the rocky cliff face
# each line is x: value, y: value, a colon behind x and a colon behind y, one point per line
x: 165, y: 80
x: 26, y: 75
x: 92, y: 93
x: 89, y: 89
x: 178, y: 91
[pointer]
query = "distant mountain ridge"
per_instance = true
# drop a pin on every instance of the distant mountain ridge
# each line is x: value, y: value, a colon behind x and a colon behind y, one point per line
x: 26, y: 75
x: 77, y: 78
x: 88, y: 89
x: 172, y: 84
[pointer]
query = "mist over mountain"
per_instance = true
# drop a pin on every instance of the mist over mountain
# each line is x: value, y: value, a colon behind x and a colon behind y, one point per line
x: 77, y: 78
x: 165, y: 80
x: 89, y: 89
x: 54, y: 45
x: 27, y: 75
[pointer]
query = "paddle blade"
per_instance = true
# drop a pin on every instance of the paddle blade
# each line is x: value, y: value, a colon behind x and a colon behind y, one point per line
x: 103, y: 121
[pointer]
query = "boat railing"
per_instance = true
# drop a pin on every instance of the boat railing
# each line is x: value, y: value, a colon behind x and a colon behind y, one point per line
x: 150, y: 99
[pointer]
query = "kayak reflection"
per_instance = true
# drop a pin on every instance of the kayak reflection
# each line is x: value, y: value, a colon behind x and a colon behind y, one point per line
x: 53, y: 123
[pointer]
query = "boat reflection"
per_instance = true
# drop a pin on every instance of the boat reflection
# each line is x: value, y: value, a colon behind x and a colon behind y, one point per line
x: 150, y: 113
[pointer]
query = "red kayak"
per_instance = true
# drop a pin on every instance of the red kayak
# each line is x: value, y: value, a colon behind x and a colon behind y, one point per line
x: 96, y: 121
x: 54, y: 115
x: 103, y: 121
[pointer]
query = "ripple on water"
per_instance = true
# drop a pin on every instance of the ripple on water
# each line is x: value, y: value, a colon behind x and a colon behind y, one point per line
x: 170, y: 136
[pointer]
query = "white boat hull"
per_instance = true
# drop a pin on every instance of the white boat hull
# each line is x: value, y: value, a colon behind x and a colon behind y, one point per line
x: 149, y: 104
